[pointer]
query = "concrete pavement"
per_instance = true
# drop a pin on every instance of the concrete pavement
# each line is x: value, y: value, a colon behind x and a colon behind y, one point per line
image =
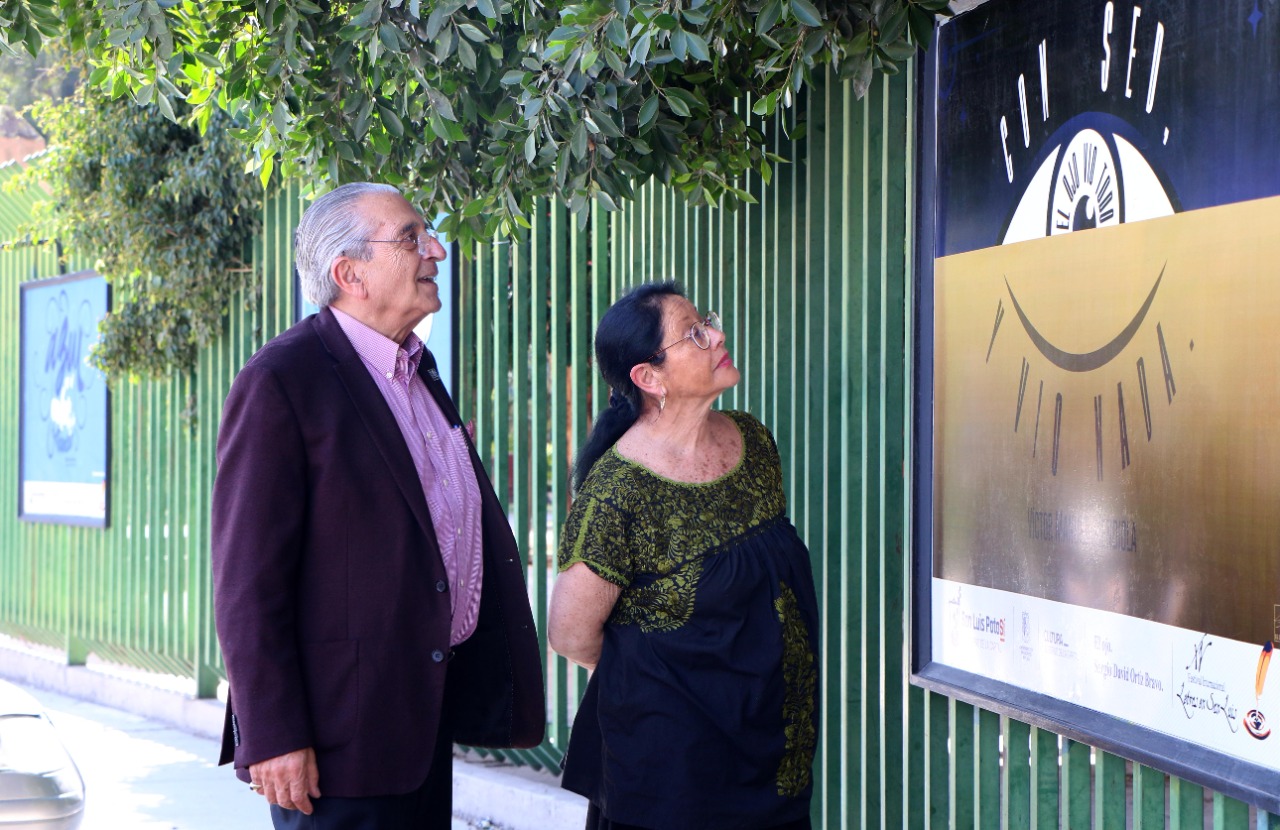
x: 149, y: 761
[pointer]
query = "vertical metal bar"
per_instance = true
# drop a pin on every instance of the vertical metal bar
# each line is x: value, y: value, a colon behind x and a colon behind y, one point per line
x: 1186, y: 805
x: 1044, y: 778
x: 505, y: 369
x: 1109, y: 794
x: 1148, y: 798
x: 1229, y: 814
x: 963, y: 765
x: 987, y: 763
x: 1016, y: 775
x: 1077, y: 813
x: 939, y: 762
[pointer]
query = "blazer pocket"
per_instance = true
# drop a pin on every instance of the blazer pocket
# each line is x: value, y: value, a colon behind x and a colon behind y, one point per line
x: 333, y: 690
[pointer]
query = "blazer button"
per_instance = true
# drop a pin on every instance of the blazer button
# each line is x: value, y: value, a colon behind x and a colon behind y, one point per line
x: 437, y: 656
x: 442, y: 586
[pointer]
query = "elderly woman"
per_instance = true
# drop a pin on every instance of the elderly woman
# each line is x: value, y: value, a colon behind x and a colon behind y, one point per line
x: 685, y: 587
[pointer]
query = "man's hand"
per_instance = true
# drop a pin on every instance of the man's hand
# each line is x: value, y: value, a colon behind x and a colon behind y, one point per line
x: 290, y: 780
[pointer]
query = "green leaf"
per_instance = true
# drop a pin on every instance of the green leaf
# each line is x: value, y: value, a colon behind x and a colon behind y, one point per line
x: 166, y: 108
x: 899, y: 51
x: 677, y: 106
x: 530, y: 148
x: 606, y: 201
x: 768, y: 16
x: 698, y: 47
x: 440, y: 104
x: 370, y: 14
x: 485, y: 7
x: 472, y: 32
x: 640, y: 49
x: 390, y: 37
x: 679, y: 45
x: 392, y: 121
x: 805, y: 12
x: 578, y: 144
x: 921, y: 25
x: 616, y: 31
x: 466, y: 55
x: 894, y: 28
x: 648, y: 111
x: 264, y: 174
x: 666, y: 22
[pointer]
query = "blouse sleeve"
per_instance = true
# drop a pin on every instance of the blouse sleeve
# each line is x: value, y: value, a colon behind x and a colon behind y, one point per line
x: 594, y: 534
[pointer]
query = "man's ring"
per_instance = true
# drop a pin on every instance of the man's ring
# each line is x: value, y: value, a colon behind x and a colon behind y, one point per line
x: 255, y: 786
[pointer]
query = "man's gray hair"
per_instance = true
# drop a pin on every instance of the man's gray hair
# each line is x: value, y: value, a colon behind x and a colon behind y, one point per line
x: 331, y: 227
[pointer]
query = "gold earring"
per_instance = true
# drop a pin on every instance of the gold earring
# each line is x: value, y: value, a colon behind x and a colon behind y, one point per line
x: 662, y: 403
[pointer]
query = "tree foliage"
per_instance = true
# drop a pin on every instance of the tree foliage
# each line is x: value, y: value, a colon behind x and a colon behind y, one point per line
x: 167, y: 212
x: 25, y: 79
x: 477, y: 107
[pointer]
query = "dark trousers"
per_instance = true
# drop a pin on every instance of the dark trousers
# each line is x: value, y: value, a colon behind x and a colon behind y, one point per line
x: 430, y: 807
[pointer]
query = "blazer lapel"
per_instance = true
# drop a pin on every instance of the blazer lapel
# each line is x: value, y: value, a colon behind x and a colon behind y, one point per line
x: 430, y: 375
x: 383, y: 429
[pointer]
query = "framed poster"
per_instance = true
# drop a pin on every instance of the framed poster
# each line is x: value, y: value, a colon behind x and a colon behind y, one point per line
x: 1098, y: 437
x: 63, y: 422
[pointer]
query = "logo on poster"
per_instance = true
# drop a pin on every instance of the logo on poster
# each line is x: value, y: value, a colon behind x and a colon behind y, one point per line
x: 1026, y: 648
x: 1255, y: 723
x: 1200, y: 694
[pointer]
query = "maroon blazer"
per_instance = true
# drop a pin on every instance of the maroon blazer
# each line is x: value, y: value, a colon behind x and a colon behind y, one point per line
x: 330, y: 596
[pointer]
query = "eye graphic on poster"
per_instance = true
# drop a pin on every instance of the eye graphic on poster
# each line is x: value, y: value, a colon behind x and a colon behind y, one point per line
x: 64, y: 402
x: 1094, y: 452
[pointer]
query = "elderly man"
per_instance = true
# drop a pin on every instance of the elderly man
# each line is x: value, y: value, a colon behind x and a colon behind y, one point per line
x: 369, y: 597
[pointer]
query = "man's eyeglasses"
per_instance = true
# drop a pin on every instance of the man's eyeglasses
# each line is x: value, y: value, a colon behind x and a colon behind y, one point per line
x: 700, y: 334
x: 421, y: 241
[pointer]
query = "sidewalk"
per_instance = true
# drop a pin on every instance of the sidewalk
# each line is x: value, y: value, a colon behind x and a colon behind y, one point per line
x: 149, y: 761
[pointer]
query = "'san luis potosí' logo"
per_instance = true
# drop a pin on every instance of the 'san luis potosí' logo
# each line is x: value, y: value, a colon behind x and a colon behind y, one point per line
x: 1255, y: 723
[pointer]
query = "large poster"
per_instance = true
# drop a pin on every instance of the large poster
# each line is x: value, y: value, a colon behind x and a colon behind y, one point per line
x: 1102, y: 392
x: 63, y: 425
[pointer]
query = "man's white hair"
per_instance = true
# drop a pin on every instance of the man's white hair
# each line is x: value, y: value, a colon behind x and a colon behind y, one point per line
x: 331, y: 227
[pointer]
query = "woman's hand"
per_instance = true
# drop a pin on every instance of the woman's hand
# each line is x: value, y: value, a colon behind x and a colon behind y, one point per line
x: 580, y: 604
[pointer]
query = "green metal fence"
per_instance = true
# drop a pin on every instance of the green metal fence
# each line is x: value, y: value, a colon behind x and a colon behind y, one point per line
x: 814, y: 284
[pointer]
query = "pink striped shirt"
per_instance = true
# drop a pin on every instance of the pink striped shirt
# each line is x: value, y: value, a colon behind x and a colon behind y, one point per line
x: 442, y: 459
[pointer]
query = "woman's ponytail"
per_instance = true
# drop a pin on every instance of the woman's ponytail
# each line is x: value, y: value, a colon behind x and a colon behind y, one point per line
x: 628, y: 334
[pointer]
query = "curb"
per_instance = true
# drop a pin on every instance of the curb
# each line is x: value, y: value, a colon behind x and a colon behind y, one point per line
x: 486, y: 793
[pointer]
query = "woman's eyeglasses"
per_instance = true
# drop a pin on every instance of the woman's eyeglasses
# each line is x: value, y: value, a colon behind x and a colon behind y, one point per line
x: 700, y: 334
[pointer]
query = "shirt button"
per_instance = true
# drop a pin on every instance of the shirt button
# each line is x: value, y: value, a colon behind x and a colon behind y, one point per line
x: 390, y: 375
x: 441, y: 586
x: 437, y: 656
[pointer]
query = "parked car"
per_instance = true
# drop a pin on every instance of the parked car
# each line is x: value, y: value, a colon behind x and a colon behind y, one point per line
x: 40, y: 786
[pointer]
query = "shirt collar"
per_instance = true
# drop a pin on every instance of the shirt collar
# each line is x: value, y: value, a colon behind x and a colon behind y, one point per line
x: 385, y: 356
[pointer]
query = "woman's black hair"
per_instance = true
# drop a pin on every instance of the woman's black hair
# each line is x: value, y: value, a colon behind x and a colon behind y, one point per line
x: 629, y: 332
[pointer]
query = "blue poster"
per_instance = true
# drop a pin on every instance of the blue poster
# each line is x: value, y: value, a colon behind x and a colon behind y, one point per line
x: 63, y: 426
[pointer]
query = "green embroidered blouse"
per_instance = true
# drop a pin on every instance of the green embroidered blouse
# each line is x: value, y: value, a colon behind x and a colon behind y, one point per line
x: 711, y: 646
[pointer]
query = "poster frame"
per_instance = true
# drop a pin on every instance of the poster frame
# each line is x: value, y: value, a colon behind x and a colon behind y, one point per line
x: 28, y: 291
x: 1170, y: 754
